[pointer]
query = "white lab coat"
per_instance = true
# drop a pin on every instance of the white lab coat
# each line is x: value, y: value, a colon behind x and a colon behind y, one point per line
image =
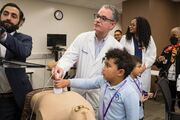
x: 82, y: 52
x: 148, y: 58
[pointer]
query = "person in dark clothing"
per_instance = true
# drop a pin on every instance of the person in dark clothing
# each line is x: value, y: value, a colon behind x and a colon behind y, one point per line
x: 169, y: 63
x: 14, y: 83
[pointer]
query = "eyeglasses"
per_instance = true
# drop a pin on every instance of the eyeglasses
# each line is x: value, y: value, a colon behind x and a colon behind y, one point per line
x: 102, y: 18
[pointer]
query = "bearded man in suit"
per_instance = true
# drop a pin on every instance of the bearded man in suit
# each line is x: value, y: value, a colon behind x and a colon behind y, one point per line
x: 14, y: 83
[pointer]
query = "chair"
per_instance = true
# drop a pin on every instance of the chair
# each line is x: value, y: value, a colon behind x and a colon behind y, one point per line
x: 163, y: 84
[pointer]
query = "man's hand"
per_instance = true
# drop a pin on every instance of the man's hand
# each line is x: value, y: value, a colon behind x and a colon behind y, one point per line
x: 62, y: 83
x: 57, y: 73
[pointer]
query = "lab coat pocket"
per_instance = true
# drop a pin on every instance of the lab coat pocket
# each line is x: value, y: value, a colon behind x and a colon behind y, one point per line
x: 84, y: 51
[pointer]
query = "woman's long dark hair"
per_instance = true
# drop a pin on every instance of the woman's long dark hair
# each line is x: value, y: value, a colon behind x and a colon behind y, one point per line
x: 143, y: 31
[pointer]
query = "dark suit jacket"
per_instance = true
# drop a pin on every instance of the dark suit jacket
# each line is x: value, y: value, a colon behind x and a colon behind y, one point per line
x: 18, y: 47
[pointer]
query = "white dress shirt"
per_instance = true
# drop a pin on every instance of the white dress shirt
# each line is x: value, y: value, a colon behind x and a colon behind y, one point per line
x: 4, y: 84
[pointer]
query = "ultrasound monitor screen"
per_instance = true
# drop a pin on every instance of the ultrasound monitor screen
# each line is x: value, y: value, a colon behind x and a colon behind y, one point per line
x: 56, y: 39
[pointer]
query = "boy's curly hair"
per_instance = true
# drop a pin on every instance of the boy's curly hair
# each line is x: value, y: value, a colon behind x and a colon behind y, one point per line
x: 122, y: 59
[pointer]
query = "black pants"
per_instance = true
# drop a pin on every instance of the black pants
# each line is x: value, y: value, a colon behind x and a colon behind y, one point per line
x: 174, y: 93
x: 9, y: 109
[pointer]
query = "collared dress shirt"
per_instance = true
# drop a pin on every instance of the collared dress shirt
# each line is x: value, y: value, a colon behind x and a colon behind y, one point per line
x: 99, y: 45
x: 4, y: 84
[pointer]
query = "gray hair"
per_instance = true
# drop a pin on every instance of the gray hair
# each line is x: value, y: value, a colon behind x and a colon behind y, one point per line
x: 176, y: 29
x: 115, y: 13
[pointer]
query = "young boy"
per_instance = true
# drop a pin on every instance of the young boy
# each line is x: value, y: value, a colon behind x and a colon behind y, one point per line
x: 118, y: 99
x: 135, y: 82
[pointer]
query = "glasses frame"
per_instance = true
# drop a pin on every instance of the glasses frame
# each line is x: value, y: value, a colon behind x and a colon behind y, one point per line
x: 102, y: 18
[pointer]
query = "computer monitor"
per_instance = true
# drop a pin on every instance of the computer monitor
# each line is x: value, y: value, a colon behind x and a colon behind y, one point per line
x: 54, y: 40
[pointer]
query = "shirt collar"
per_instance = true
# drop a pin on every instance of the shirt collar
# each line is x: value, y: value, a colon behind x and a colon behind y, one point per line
x: 131, y: 79
x: 102, y: 40
x: 12, y: 33
x: 116, y: 87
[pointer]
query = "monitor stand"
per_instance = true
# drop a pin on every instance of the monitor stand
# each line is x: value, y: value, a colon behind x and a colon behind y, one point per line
x: 55, y: 50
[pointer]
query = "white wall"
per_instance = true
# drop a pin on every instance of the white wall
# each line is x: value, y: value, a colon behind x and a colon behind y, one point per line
x: 40, y: 20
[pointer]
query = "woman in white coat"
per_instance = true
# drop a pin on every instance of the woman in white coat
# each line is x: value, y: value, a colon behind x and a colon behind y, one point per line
x: 139, y: 42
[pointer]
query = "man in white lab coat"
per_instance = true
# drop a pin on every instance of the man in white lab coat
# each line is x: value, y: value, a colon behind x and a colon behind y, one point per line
x: 88, y: 50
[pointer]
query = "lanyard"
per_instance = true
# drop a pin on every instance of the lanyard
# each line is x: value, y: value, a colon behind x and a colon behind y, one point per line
x: 138, y: 86
x: 105, y: 110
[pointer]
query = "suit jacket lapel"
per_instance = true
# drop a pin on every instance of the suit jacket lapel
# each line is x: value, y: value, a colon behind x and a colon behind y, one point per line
x: 8, y: 52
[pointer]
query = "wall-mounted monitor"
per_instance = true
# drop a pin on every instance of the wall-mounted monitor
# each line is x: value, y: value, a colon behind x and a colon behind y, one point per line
x: 54, y: 40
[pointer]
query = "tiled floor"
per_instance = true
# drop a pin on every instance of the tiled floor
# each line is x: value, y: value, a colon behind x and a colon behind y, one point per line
x: 155, y: 109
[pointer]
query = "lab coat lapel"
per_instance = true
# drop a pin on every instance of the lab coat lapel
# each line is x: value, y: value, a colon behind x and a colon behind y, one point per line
x: 91, y: 46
